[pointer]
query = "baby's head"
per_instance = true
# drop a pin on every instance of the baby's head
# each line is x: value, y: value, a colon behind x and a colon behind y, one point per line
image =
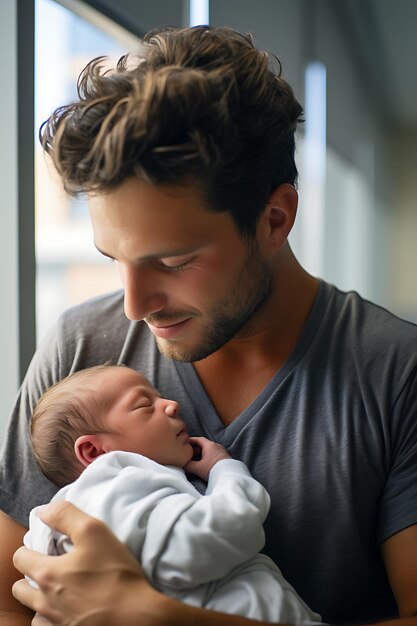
x: 101, y: 409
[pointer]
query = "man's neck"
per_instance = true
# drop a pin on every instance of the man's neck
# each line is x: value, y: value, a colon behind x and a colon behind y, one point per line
x: 234, y: 375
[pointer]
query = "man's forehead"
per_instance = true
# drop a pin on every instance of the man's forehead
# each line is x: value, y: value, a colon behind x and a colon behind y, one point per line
x: 141, y: 220
x: 154, y: 211
x: 136, y: 192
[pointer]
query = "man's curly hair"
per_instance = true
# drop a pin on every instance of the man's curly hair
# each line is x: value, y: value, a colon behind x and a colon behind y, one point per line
x: 198, y: 105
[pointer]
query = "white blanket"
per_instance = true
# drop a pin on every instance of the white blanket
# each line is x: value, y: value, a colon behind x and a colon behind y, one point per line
x: 203, y: 550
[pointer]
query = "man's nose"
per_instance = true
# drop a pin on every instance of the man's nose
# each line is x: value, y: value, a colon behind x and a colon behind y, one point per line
x: 143, y: 295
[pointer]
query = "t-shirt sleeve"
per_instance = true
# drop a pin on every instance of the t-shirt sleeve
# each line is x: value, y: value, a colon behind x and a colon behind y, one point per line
x: 22, y: 484
x: 88, y: 334
x: 398, y: 505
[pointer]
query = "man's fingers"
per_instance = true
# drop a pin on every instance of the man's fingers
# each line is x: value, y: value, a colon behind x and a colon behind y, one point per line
x: 25, y: 594
x: 40, y: 620
x: 69, y: 520
x: 34, y: 599
x: 88, y: 533
x: 28, y: 561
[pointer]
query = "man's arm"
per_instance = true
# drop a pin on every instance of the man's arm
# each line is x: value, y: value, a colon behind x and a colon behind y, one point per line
x: 400, y: 557
x: 12, y: 613
x: 99, y: 582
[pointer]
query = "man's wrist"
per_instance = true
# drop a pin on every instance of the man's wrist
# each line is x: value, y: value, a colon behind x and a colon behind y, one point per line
x: 149, y: 607
x: 145, y: 606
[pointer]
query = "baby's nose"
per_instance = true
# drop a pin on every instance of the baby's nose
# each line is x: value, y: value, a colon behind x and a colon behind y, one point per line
x: 172, y: 408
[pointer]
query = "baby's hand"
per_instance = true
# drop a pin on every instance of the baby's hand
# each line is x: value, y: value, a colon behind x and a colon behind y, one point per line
x: 210, y: 453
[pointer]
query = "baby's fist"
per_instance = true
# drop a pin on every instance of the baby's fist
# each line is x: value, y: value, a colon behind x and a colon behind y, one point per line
x: 209, y: 452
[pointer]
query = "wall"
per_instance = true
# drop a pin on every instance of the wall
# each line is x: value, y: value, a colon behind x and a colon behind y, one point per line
x: 276, y: 27
x: 359, y: 169
x: 357, y: 193
x: 139, y: 17
x: 9, y: 345
x: 402, y: 278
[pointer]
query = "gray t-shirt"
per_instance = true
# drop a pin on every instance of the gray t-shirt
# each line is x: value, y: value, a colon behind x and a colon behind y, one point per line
x: 332, y: 437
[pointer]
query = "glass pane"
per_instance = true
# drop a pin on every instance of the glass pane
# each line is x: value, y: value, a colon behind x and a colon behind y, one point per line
x: 69, y: 269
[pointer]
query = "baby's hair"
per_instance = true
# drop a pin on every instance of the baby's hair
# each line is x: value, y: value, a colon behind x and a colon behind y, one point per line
x: 67, y: 410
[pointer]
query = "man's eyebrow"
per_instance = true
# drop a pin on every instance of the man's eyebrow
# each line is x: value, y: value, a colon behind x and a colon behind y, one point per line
x: 163, y: 254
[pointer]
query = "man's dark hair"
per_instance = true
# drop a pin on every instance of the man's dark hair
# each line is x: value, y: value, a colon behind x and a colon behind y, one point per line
x: 198, y: 105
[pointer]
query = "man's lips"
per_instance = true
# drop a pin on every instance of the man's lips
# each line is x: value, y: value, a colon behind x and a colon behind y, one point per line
x: 168, y: 331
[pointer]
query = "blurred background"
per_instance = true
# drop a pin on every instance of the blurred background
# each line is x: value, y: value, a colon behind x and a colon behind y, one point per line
x: 352, y: 65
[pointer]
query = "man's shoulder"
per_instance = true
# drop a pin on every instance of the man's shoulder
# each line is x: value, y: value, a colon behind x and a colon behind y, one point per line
x: 91, y: 333
x: 107, y: 306
x: 97, y: 320
x: 370, y: 338
x: 368, y: 319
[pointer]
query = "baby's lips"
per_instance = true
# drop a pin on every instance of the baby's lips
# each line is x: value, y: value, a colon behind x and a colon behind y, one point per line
x: 182, y: 430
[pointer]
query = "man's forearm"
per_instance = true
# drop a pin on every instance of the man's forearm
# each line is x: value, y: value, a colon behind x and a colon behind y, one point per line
x: 168, y: 612
x: 12, y: 613
x: 192, y: 615
x: 202, y: 617
x: 400, y: 621
x: 15, y: 619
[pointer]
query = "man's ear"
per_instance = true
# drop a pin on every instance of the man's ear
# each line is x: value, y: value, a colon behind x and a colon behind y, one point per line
x: 279, y: 214
x: 88, y: 447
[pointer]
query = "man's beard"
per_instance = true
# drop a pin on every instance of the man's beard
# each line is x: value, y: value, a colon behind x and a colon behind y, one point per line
x: 231, y: 316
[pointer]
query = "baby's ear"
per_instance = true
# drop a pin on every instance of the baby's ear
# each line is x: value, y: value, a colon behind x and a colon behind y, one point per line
x: 87, y: 448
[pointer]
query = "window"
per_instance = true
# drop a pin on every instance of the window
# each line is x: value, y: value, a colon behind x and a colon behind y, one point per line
x: 69, y: 269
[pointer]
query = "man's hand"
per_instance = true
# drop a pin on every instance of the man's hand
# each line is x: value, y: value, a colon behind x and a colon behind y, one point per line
x: 210, y: 452
x: 97, y: 583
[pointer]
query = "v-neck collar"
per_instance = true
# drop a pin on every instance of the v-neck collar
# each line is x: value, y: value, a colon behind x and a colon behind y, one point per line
x: 210, y: 421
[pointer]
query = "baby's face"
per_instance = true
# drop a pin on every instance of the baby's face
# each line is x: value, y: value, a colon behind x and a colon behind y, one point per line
x: 139, y: 420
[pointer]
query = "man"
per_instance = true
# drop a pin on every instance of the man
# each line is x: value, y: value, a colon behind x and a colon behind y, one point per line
x: 187, y: 157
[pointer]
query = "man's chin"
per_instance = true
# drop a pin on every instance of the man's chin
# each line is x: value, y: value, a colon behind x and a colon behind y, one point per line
x: 176, y: 352
x: 172, y: 350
